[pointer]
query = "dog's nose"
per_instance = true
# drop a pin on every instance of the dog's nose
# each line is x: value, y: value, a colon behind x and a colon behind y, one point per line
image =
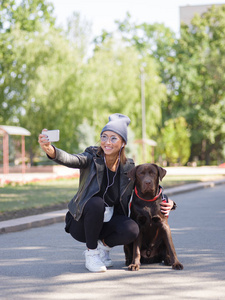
x: 147, y: 181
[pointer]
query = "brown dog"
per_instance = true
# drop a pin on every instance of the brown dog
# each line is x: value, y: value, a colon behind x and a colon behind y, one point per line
x: 154, y: 243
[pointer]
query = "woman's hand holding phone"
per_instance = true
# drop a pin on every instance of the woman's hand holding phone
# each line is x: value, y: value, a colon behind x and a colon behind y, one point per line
x: 46, y: 144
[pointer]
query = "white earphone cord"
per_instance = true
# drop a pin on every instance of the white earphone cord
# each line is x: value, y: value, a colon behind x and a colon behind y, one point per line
x: 107, y: 173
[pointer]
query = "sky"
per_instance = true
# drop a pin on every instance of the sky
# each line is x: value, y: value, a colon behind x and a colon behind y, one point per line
x: 103, y: 13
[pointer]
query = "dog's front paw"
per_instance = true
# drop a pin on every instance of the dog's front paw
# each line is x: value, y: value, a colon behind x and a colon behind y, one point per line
x: 177, y: 266
x: 128, y: 262
x: 133, y: 267
x: 167, y: 261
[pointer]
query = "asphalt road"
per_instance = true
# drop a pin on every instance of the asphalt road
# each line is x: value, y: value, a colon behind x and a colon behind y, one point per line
x: 46, y: 263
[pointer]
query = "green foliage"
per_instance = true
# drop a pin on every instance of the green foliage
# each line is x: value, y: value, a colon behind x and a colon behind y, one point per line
x: 51, y: 99
x: 200, y: 72
x: 79, y: 34
x: 159, y: 42
x: 175, y: 144
x: 20, y: 22
x: 85, y: 135
x: 40, y: 82
x: 191, y: 67
x: 26, y: 15
x: 46, y: 80
x: 115, y: 81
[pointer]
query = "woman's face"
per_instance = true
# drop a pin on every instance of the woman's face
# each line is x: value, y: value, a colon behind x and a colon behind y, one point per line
x: 111, y: 142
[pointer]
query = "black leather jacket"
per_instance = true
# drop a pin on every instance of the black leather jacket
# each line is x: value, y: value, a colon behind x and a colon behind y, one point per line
x: 91, y: 167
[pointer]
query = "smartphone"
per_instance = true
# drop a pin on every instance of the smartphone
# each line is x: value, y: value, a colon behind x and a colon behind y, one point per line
x: 53, y: 135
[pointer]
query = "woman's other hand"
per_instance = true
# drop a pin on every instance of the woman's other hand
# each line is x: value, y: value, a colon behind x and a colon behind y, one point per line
x: 166, y: 207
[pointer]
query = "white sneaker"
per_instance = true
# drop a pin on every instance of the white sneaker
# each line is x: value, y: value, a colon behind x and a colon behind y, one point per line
x: 93, y: 262
x: 104, y: 254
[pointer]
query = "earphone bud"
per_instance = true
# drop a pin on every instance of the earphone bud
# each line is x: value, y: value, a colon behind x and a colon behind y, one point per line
x: 123, y: 145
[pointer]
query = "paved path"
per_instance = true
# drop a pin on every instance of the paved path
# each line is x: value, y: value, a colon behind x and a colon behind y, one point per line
x: 45, y: 263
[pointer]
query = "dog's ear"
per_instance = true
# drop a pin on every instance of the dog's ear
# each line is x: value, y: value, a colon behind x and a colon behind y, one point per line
x: 162, y: 172
x: 132, y: 174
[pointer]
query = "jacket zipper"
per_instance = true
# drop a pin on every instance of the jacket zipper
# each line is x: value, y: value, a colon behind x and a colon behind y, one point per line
x: 122, y: 197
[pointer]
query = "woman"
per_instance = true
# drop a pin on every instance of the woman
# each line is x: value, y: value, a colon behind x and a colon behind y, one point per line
x: 98, y: 213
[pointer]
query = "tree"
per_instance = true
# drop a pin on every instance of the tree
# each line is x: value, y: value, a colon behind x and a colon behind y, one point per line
x: 174, y: 144
x: 18, y: 20
x: 42, y: 75
x: 79, y: 34
x: 200, y: 72
x: 27, y: 15
x: 159, y: 42
x: 52, y: 96
x: 85, y: 135
x: 191, y: 67
x: 114, y: 81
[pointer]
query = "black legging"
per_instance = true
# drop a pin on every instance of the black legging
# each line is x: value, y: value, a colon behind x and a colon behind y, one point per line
x: 120, y: 230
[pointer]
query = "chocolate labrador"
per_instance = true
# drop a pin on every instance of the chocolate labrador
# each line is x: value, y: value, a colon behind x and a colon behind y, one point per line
x: 154, y: 243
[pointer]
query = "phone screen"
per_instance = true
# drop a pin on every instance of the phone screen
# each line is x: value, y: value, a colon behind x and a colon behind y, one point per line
x: 53, y: 135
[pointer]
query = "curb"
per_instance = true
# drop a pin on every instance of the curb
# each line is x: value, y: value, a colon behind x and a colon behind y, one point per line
x: 192, y: 187
x: 49, y: 218
x: 29, y: 222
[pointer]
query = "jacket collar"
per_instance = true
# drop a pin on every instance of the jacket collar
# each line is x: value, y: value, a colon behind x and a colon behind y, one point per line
x: 128, y: 166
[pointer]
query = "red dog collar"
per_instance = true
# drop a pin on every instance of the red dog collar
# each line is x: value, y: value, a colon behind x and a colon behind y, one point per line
x: 149, y: 200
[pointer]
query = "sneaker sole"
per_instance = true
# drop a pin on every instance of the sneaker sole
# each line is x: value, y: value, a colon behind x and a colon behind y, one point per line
x: 96, y: 270
x: 108, y: 265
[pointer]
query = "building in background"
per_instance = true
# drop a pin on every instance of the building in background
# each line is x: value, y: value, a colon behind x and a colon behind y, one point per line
x: 188, y: 12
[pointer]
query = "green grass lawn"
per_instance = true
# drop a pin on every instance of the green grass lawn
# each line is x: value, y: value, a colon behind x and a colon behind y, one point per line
x: 49, y: 193
x: 38, y: 194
